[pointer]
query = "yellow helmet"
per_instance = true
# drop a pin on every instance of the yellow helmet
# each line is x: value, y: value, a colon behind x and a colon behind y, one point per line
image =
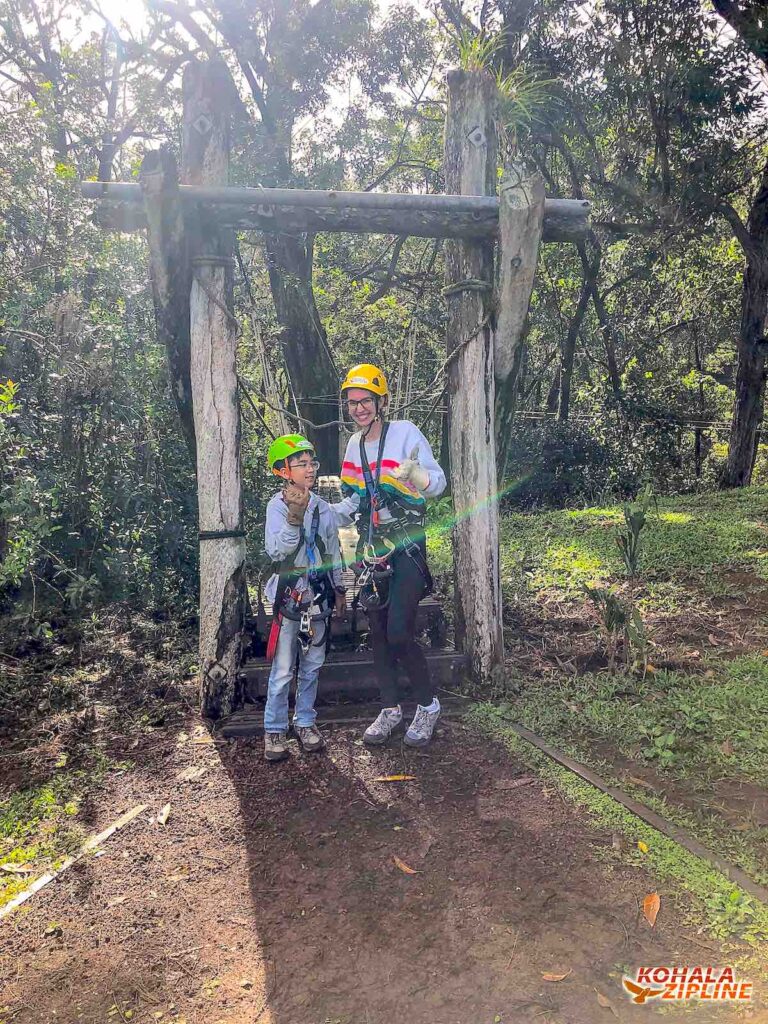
x: 368, y: 377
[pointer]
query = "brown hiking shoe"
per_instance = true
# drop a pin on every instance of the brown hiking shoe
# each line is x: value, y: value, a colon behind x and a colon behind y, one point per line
x: 310, y: 738
x: 275, y: 746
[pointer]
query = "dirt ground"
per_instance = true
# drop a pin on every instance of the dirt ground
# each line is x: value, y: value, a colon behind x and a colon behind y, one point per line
x: 271, y: 895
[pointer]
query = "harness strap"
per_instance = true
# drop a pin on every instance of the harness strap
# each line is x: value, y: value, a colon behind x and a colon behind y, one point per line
x: 371, y: 482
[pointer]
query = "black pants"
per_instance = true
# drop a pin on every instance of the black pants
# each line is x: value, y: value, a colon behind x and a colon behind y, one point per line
x: 392, y: 635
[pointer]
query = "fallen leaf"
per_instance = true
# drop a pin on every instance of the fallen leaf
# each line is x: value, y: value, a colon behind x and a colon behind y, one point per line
x: 403, y: 866
x: 713, y: 640
x: 394, y: 778
x: 650, y: 668
x: 727, y: 747
x: 17, y: 869
x: 651, y: 905
x: 163, y: 815
x: 556, y: 977
x: 190, y: 774
x: 178, y: 878
x: 508, y: 784
x: 116, y: 901
x: 641, y: 782
x: 606, y: 1003
x: 642, y: 847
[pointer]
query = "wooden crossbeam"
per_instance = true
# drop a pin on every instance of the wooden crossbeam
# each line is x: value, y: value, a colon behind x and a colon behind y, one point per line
x: 397, y: 213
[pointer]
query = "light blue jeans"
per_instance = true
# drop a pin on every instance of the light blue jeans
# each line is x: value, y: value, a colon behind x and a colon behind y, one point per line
x: 276, y: 710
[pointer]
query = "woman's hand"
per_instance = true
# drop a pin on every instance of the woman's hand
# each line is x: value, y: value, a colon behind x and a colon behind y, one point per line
x: 411, y: 471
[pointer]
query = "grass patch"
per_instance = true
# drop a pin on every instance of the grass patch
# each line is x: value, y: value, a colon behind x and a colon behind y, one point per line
x: 726, y: 911
x: 562, y: 550
x: 704, y: 725
x: 692, y: 728
x: 39, y: 827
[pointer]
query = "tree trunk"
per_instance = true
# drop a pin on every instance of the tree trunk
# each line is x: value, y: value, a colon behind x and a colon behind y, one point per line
x: 171, y: 277
x: 470, y: 168
x: 569, y: 351
x: 213, y: 341
x: 305, y: 348
x: 752, y: 347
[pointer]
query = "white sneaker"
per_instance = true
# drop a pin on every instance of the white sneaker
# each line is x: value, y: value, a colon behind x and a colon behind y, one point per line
x: 386, y: 722
x: 423, y: 725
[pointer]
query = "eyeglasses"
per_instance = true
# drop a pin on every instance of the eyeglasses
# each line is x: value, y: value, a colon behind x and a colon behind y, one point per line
x: 364, y: 403
x: 312, y: 464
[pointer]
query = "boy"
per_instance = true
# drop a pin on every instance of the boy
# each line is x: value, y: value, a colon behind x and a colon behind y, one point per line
x: 301, y: 536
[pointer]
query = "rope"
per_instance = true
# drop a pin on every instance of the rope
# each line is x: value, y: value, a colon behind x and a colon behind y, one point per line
x: 447, y: 362
x: 255, y: 408
x: 469, y: 284
x: 219, y: 534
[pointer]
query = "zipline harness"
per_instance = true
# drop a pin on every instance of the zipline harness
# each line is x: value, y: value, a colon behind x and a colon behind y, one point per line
x: 290, y: 601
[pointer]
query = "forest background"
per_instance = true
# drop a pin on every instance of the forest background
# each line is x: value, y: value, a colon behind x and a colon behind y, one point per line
x: 645, y: 352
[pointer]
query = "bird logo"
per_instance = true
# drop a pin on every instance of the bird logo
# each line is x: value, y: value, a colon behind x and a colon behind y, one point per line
x: 640, y: 993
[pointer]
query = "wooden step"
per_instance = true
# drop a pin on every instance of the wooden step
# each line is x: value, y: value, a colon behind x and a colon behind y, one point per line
x: 351, y: 672
x: 249, y: 720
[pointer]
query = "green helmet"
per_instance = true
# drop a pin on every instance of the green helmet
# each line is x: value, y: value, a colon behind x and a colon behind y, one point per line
x: 288, y: 444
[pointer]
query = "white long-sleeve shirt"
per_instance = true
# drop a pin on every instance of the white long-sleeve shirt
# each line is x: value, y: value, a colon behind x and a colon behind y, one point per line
x: 402, y: 438
x: 281, y: 539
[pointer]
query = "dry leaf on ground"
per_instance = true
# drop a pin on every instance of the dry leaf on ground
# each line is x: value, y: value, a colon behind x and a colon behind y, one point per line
x: 651, y: 905
x: 163, y: 815
x: 394, y: 778
x: 403, y: 866
x: 556, y: 977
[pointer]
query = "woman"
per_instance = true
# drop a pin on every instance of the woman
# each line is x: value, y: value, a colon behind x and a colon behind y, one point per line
x: 391, y: 469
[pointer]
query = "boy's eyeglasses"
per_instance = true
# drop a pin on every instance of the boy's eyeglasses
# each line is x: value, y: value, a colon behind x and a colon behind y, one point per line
x: 312, y: 464
x: 363, y: 403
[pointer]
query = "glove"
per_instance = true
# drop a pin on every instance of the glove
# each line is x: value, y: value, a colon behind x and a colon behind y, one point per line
x: 297, y: 500
x: 411, y: 471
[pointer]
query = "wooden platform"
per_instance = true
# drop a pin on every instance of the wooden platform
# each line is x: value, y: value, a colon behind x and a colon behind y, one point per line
x: 249, y: 721
x: 351, y: 672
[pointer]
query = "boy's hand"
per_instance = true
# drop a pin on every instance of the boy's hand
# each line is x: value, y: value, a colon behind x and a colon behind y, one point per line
x: 410, y: 471
x: 341, y: 604
x: 297, y: 500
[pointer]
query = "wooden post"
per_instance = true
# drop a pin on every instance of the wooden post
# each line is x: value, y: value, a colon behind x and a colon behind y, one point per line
x: 470, y: 168
x: 213, y: 334
x: 521, y: 215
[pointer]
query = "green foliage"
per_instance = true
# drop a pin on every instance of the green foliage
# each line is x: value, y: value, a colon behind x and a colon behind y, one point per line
x: 478, y: 50
x: 621, y: 620
x: 635, y: 519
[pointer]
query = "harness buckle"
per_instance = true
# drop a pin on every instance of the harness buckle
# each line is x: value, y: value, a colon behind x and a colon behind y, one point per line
x: 305, y: 631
